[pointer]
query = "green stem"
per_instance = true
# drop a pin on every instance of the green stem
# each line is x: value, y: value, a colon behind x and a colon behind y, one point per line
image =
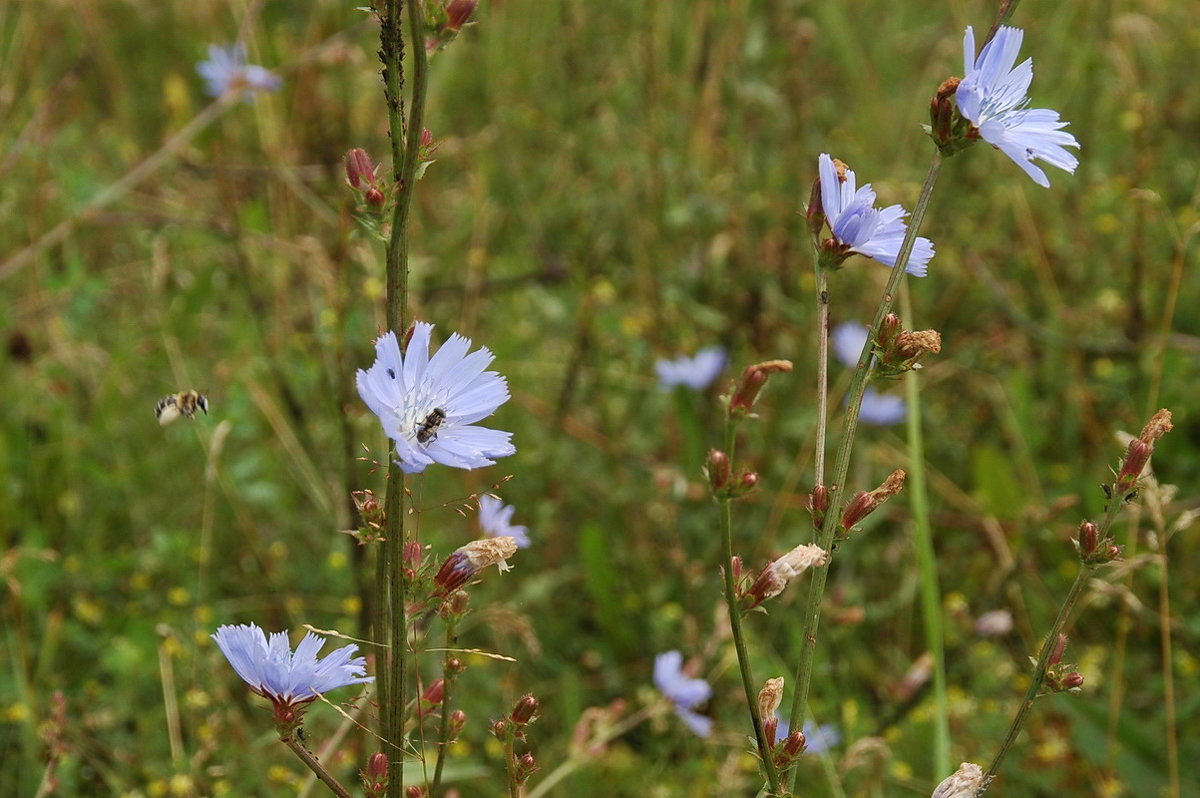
x: 510, y: 764
x: 444, y: 732
x: 822, y: 374
x: 841, y: 467
x: 739, y: 638
x: 315, y: 766
x: 931, y: 595
x: 1039, y: 672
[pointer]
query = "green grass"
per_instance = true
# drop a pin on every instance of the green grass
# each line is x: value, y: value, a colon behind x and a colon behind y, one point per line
x: 616, y: 182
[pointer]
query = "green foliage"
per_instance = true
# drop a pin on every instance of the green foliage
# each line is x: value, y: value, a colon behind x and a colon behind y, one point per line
x: 615, y: 183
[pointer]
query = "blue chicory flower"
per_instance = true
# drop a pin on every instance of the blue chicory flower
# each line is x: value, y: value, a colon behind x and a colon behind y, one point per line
x: 859, y: 227
x: 993, y: 97
x: 273, y: 671
x: 495, y: 518
x: 684, y: 692
x: 696, y: 372
x: 428, y: 406
x: 226, y: 70
x: 848, y: 340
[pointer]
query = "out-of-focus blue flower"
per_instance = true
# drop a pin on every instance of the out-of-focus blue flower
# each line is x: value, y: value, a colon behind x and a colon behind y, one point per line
x: 697, y: 372
x: 993, y: 97
x: 820, y: 738
x: 495, y: 519
x: 848, y: 340
x: 273, y: 671
x: 226, y: 70
x: 684, y: 692
x: 429, y: 405
x: 859, y: 227
x: 881, y: 409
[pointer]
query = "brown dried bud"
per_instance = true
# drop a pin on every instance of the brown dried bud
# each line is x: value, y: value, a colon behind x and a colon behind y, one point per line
x: 967, y: 782
x: 815, y: 213
x: 751, y: 383
x: 769, y: 699
x: 941, y: 111
x: 525, y: 711
x: 866, y: 503
x: 775, y: 577
x: 912, y: 344
x: 461, y: 566
x: 718, y: 468
x: 1158, y: 426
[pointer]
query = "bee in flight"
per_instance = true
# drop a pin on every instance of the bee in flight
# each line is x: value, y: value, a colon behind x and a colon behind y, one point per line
x: 427, y: 429
x: 184, y: 403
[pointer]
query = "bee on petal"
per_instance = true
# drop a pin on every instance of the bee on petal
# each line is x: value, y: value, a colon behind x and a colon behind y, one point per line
x: 427, y: 429
x: 184, y: 403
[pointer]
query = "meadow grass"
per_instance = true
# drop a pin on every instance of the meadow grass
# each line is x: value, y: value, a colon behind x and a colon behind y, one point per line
x: 615, y: 182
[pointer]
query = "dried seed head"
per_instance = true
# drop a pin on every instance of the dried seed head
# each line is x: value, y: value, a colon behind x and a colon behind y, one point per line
x: 967, y: 782
x: 751, y: 383
x: 1158, y: 426
x: 775, y: 577
x: 770, y: 697
x: 866, y: 503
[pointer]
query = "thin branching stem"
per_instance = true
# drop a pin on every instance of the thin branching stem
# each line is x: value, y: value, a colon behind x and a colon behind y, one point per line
x: 822, y: 374
x: 837, y: 499
x: 444, y: 732
x: 735, y: 626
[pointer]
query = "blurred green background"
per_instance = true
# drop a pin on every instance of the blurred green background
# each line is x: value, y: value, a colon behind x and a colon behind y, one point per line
x: 616, y: 182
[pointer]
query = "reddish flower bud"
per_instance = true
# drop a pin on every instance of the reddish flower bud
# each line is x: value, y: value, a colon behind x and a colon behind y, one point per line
x: 458, y: 13
x: 411, y: 556
x: 458, y: 719
x: 525, y: 711
x: 795, y: 744
x: 359, y: 169
x: 1136, y: 457
x: 1088, y: 539
x: 435, y: 692
x: 889, y: 328
x: 866, y: 503
x: 454, y: 666
x: 747, y: 483
x: 718, y: 469
x: 413, y: 791
x: 374, y: 197
x: 751, y: 383
x: 815, y: 213
x: 1060, y: 648
x: 499, y: 729
x: 818, y: 503
x: 426, y: 137
x: 1072, y: 681
x: 377, y: 766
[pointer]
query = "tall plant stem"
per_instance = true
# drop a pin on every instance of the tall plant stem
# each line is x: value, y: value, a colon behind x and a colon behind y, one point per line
x: 822, y: 374
x: 405, y: 140
x: 739, y: 638
x: 315, y: 766
x: 1039, y: 672
x: 931, y: 594
x: 837, y: 500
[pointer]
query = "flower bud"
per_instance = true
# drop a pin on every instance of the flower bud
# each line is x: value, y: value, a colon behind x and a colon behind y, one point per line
x: 466, y: 561
x: 499, y: 729
x: 413, y: 791
x: 458, y: 719
x: 525, y: 711
x: 411, y: 557
x: 751, y: 383
x: 818, y: 503
x: 458, y: 13
x: 359, y: 169
x: 941, y: 112
x: 1060, y: 648
x: 889, y: 328
x: 866, y: 503
x: 1136, y: 457
x: 815, y: 213
x: 794, y: 745
x: 1088, y: 539
x: 967, y: 782
x: 526, y: 767
x: 1072, y: 681
x: 377, y: 766
x: 719, y: 473
x: 775, y: 577
x: 374, y: 197
x: 435, y: 692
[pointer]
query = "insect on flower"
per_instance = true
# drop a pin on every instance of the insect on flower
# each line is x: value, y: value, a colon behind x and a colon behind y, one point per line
x: 427, y: 429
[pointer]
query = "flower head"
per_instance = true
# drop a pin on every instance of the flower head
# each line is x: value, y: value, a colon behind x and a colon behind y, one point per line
x: 226, y: 70
x: 684, y: 692
x: 993, y: 97
x: 273, y: 671
x: 696, y: 372
x: 858, y: 226
x: 495, y: 518
x: 429, y: 405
